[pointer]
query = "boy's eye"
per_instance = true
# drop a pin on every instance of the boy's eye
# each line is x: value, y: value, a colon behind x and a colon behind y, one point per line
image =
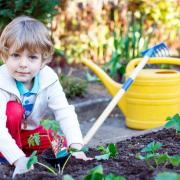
x: 33, y: 57
x: 15, y: 55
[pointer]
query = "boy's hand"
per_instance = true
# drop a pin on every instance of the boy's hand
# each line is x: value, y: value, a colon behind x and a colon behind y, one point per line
x: 79, y: 154
x: 21, y: 166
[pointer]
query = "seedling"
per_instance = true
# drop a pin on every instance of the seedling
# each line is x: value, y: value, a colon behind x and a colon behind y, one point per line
x: 167, y: 176
x: 34, y: 160
x: 109, y: 151
x: 71, y: 150
x: 173, y: 122
x: 56, y: 146
x: 152, y: 155
x: 97, y: 173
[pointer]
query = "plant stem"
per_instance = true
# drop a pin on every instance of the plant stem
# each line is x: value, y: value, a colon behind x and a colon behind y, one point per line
x: 155, y: 160
x: 50, y: 142
x: 65, y: 164
x: 149, y: 165
x: 51, y: 170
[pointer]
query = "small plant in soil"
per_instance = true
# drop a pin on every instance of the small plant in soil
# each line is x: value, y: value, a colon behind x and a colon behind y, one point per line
x: 34, y: 160
x: 55, y: 145
x: 59, y: 152
x: 167, y: 176
x: 151, y: 155
x: 97, y: 174
x: 173, y: 122
x: 109, y: 151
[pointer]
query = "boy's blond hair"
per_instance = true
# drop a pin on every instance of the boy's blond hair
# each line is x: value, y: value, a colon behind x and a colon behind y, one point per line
x: 26, y: 33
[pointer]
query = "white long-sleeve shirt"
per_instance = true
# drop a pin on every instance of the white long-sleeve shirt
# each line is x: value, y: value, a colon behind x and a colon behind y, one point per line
x: 50, y: 97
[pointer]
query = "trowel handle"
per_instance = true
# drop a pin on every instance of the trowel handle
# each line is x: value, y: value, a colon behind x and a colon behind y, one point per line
x: 156, y: 60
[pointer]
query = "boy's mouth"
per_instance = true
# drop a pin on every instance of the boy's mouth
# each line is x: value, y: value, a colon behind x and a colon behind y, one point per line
x: 23, y: 73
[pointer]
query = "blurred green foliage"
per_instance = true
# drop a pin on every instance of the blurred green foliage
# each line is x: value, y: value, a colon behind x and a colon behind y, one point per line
x: 43, y: 10
x: 73, y: 86
x: 127, y: 46
x: 88, y: 33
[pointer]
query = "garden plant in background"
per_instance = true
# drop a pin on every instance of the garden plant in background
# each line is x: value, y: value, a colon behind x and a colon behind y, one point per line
x: 88, y: 33
x: 73, y: 86
x: 127, y: 46
x: 43, y: 11
x: 173, y: 122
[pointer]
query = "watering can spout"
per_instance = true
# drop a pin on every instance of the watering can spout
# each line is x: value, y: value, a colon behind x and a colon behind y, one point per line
x: 112, y: 86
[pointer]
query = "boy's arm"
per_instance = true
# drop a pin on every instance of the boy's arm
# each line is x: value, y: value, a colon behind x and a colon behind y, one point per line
x: 65, y: 114
x: 8, y: 146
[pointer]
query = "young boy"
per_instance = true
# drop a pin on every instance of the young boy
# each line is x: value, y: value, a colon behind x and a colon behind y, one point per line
x: 28, y: 89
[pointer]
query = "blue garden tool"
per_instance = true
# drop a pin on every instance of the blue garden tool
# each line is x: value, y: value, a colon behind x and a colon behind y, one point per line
x: 157, y: 50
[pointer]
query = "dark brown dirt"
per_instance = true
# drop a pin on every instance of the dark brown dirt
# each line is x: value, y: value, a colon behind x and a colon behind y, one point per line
x: 125, y: 164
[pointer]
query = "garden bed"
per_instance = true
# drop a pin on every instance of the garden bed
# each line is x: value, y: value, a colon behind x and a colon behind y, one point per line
x: 125, y: 164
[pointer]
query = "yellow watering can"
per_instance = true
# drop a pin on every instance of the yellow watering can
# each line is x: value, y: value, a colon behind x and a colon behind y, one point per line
x: 154, y: 95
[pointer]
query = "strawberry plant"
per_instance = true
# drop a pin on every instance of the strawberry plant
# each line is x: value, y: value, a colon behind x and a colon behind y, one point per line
x: 34, y: 160
x: 97, y: 173
x: 151, y: 155
x: 167, y: 176
x: 173, y: 122
x: 109, y: 151
x: 55, y: 144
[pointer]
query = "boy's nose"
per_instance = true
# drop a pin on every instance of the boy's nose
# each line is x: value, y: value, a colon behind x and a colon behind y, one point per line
x: 23, y: 62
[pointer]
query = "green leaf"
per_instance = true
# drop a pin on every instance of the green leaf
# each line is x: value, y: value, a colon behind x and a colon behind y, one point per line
x: 32, y: 160
x: 102, y: 149
x: 175, y: 160
x: 37, y: 138
x: 170, y: 123
x: 67, y: 177
x: 113, y: 150
x: 95, y: 176
x: 103, y: 157
x: 84, y: 149
x: 178, y: 127
x: 34, y: 138
x: 174, y: 121
x: 146, y: 157
x: 167, y: 176
x: 113, y: 177
x: 152, y: 147
x: 95, y: 173
x: 162, y: 158
x: 50, y: 124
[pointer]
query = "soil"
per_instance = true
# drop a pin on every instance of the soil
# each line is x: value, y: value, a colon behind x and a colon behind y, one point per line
x: 125, y: 164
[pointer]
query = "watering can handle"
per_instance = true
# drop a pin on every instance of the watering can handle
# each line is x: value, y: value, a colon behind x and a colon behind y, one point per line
x: 161, y: 60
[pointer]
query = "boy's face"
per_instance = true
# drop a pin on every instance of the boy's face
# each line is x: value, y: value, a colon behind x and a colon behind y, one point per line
x: 23, y: 66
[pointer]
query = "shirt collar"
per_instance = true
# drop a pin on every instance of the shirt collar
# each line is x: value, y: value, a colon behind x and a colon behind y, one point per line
x: 23, y: 90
